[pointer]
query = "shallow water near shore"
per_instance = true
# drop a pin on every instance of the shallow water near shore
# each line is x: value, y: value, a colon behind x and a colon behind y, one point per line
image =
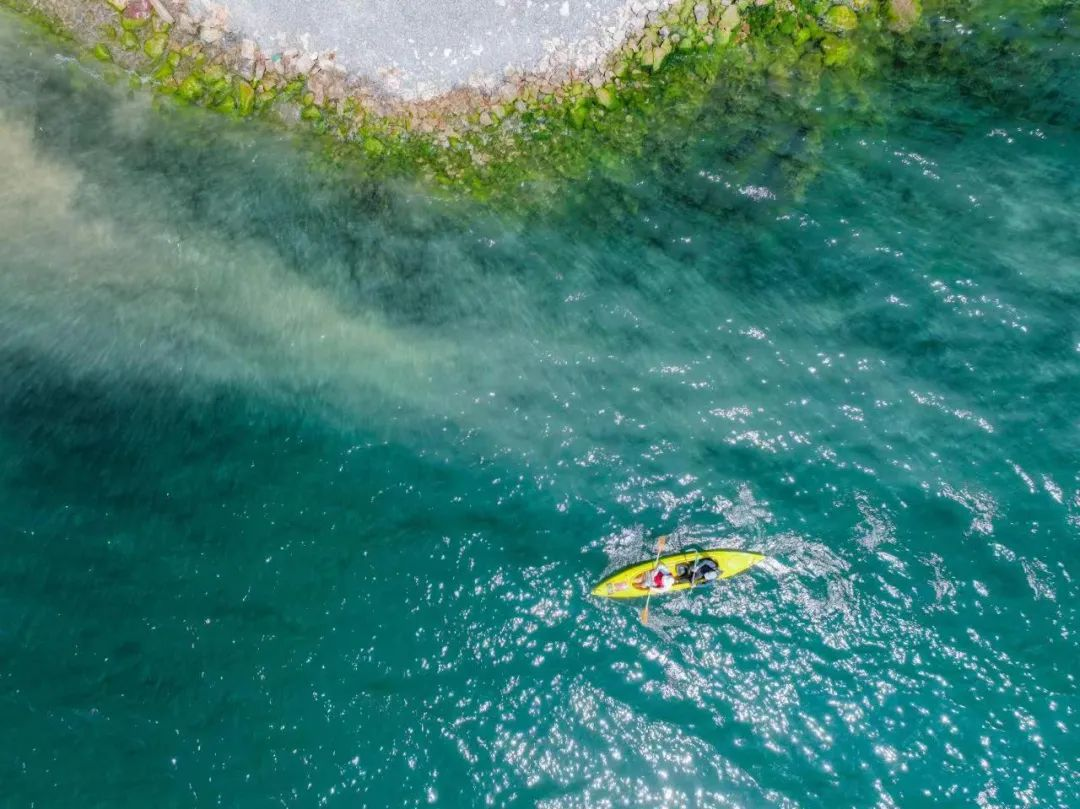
x: 304, y: 479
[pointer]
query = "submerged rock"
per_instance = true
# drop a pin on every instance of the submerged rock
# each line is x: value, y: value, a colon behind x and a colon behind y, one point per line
x: 660, y: 53
x: 903, y: 14
x: 244, y: 96
x: 190, y: 89
x: 155, y: 45
x: 841, y: 18
x: 132, y: 24
x: 837, y: 51
x: 163, y: 72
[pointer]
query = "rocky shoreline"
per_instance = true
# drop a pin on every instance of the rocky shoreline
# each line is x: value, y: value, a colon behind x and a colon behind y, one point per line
x: 196, y: 58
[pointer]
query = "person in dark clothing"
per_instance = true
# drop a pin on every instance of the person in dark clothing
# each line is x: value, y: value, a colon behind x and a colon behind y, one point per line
x: 700, y: 571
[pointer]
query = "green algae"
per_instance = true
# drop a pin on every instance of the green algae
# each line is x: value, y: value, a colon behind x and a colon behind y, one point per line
x: 841, y: 18
x: 244, y: 96
x: 155, y: 45
x: 837, y: 52
x: 163, y: 72
x: 191, y: 88
x: 133, y: 24
x: 31, y: 11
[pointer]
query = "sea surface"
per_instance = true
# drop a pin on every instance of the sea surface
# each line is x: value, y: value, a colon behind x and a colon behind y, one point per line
x: 305, y: 478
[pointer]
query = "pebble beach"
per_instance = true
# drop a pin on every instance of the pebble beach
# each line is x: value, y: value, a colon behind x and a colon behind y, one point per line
x: 419, y: 49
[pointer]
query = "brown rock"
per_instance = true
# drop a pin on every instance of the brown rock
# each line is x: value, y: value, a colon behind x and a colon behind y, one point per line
x: 304, y: 63
x: 137, y: 10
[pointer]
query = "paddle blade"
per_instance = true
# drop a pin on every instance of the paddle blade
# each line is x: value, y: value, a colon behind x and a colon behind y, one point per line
x: 660, y: 543
x: 645, y: 615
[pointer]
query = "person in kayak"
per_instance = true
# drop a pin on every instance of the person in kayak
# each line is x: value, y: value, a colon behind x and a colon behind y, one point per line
x: 701, y: 571
x: 659, y: 578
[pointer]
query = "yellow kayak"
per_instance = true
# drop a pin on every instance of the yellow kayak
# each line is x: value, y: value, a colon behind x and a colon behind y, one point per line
x: 630, y: 581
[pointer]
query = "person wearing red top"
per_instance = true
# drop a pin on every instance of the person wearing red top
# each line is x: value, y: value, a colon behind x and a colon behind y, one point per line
x: 659, y: 578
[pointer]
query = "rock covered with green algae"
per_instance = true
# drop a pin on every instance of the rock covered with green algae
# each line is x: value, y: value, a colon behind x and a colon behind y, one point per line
x: 533, y: 124
x: 903, y: 14
x: 155, y: 45
x: 244, y: 96
x: 841, y: 18
x: 837, y: 51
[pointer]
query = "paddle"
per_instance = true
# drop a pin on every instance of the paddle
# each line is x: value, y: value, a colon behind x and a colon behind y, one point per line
x: 659, y: 550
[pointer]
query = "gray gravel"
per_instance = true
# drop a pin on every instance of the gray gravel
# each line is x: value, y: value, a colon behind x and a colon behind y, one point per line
x: 422, y: 48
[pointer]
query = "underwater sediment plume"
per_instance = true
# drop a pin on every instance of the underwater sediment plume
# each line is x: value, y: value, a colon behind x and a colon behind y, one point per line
x: 472, y: 93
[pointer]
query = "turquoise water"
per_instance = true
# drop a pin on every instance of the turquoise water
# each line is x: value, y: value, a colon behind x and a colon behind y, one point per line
x: 304, y: 479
